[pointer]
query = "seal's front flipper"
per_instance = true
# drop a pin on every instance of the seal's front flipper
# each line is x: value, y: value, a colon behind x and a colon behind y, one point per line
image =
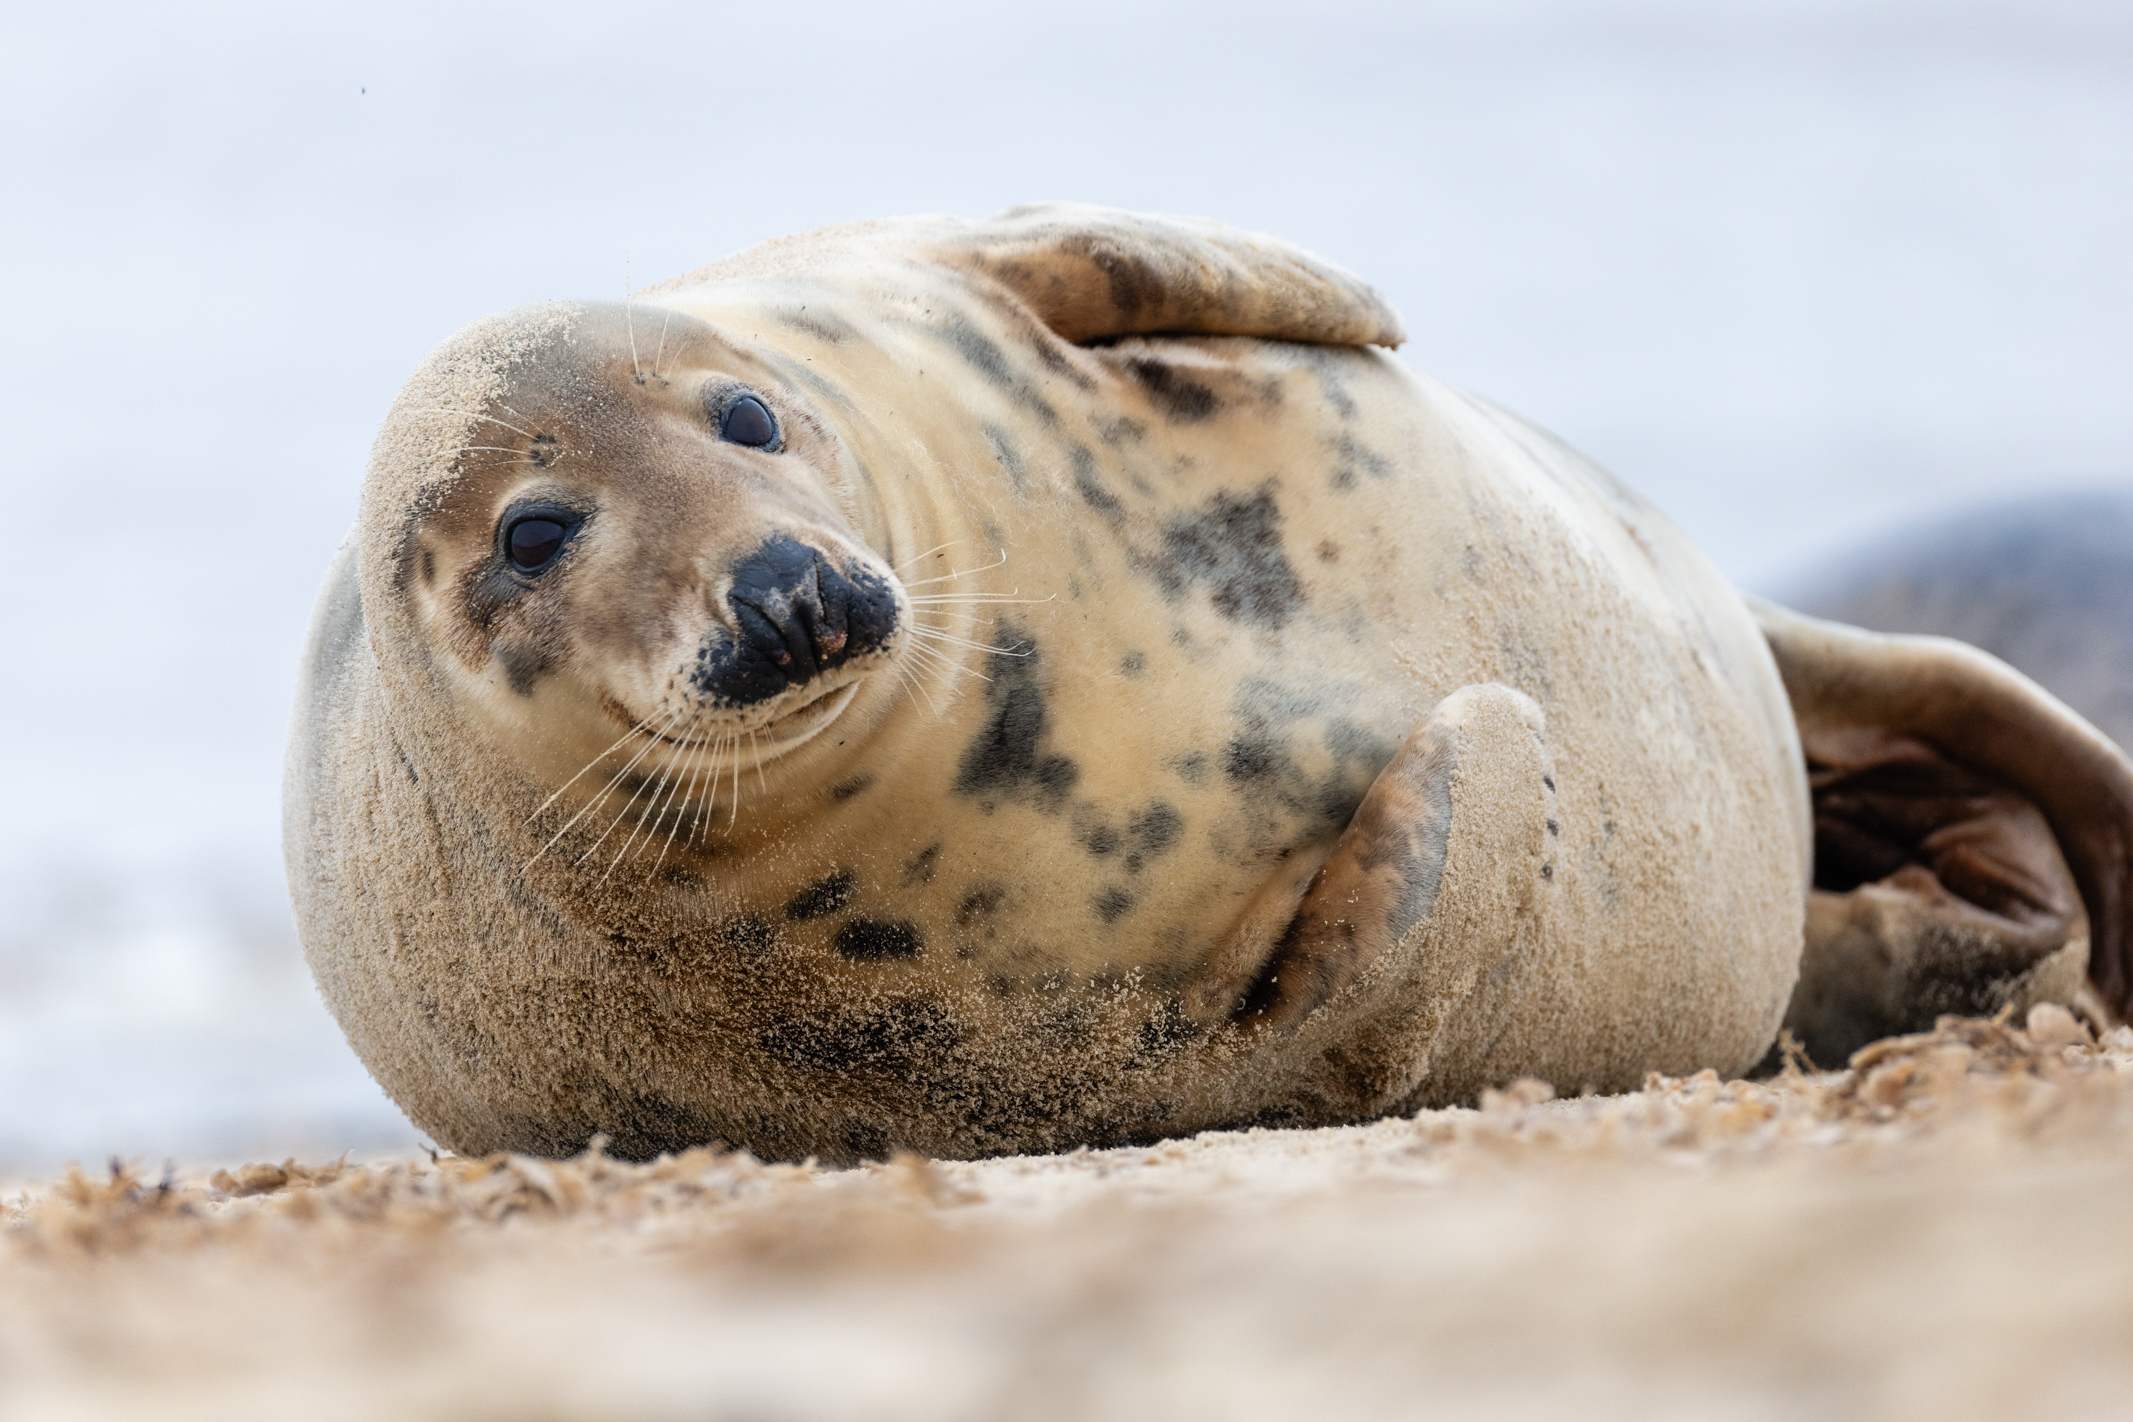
x: 1479, y: 765
x: 1963, y: 820
x: 1096, y: 273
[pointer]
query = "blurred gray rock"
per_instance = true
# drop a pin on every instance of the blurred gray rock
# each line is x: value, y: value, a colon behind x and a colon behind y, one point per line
x: 2045, y: 584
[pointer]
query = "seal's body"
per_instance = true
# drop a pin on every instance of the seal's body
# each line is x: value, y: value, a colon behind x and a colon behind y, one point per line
x: 987, y: 687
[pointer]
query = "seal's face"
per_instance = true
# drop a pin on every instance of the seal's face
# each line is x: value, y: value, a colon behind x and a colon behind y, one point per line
x: 646, y: 531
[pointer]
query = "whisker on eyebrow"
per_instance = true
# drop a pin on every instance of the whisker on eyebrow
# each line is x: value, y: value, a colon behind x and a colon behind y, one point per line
x: 479, y: 449
x: 662, y: 340
x: 951, y: 577
x: 629, y: 313
x: 478, y: 415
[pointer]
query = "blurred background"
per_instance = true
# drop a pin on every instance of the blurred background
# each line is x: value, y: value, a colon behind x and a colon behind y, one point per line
x: 1804, y: 271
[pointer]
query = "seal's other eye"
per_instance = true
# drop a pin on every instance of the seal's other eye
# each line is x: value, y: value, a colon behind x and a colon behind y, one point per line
x: 532, y: 543
x: 748, y: 421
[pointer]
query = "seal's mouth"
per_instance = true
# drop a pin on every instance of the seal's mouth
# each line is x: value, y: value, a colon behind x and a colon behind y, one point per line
x: 808, y: 720
x: 782, y: 733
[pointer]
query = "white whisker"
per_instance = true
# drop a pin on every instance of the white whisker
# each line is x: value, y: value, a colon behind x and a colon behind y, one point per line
x: 629, y: 312
x: 603, y: 755
x: 736, y: 819
x: 662, y: 340
x: 660, y: 812
x: 680, y: 806
x: 613, y: 781
x: 911, y: 680
x: 953, y: 598
x: 951, y: 577
x: 478, y: 415
x: 952, y: 543
x: 937, y: 634
x: 659, y: 785
x: 609, y: 790
x: 478, y: 449
x: 756, y: 751
x: 658, y: 780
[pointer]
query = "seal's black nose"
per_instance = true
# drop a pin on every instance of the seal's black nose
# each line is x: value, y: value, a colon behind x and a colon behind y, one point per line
x: 799, y: 616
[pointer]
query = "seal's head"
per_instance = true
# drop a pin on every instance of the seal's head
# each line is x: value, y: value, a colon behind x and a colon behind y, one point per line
x: 600, y: 521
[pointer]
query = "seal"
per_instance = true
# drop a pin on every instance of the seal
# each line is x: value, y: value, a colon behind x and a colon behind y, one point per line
x: 976, y: 687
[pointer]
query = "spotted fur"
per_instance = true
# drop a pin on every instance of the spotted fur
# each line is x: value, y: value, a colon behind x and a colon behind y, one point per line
x: 1300, y: 739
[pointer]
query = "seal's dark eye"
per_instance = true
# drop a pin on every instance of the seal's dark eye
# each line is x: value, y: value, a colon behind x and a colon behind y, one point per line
x: 533, y: 543
x: 748, y: 421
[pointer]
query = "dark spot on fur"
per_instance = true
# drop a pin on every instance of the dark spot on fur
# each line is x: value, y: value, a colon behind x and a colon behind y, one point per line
x: 1179, y: 397
x: 1233, y: 546
x: 980, y: 903
x: 748, y: 936
x: 866, y: 1141
x: 679, y: 876
x: 1008, y: 455
x: 1329, y: 551
x: 523, y: 666
x: 906, y: 1032
x: 1006, y: 756
x: 1554, y: 828
x: 822, y: 325
x: 821, y: 898
x: 409, y: 766
x: 1102, y: 840
x: 1549, y: 781
x: 1161, y: 1035
x: 647, y: 1126
x: 1351, y: 458
x: 846, y: 789
x: 1111, y: 903
x: 1155, y: 829
x: 1250, y: 760
x: 984, y: 355
x: 920, y: 869
x: 1358, y: 744
x: 1191, y: 766
x: 1092, y: 491
x: 1133, y: 664
x: 1547, y: 871
x: 868, y: 940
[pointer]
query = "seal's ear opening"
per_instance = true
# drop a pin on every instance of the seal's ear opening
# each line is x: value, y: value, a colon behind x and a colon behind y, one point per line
x: 1964, y: 820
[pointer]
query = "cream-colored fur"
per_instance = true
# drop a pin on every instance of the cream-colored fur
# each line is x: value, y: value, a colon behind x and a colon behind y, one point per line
x: 1018, y: 880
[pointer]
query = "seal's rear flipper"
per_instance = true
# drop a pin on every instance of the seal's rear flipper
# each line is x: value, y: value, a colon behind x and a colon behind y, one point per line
x: 1963, y: 820
x: 1095, y: 273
